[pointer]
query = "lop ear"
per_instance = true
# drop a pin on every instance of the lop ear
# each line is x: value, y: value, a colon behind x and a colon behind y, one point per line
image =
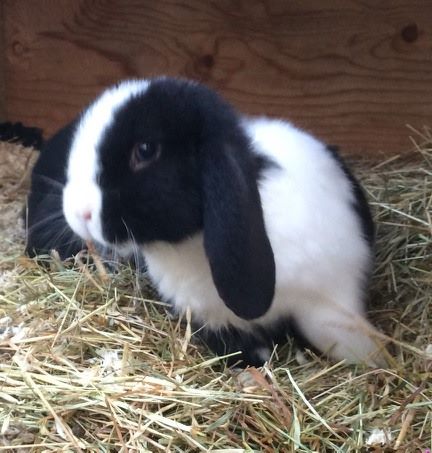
x: 236, y: 243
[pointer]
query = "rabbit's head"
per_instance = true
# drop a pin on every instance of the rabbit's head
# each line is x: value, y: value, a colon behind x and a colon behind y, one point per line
x: 165, y: 159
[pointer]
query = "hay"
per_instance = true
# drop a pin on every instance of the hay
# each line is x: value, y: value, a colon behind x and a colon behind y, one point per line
x: 15, y: 165
x: 90, y: 364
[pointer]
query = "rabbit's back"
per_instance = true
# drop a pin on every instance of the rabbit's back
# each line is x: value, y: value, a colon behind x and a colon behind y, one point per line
x: 309, y: 210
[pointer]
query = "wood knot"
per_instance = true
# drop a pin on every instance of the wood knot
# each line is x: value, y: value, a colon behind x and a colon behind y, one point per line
x: 207, y: 61
x: 18, y: 48
x: 410, y: 33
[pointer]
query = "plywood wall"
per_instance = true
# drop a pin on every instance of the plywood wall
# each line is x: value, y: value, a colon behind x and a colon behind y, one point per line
x: 354, y: 72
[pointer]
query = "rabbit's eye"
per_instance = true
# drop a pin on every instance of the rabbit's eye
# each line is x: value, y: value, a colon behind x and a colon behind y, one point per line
x: 143, y: 154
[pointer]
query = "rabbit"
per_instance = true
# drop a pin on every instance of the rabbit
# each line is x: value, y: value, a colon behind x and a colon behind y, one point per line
x: 255, y: 226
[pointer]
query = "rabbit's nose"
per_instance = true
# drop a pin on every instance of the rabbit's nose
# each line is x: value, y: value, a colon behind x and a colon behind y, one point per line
x: 87, y: 215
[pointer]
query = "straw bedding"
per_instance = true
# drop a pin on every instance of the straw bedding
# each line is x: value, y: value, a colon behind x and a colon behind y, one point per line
x: 90, y: 361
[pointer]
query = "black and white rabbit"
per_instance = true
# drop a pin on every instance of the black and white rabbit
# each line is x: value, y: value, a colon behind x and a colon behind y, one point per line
x: 255, y: 226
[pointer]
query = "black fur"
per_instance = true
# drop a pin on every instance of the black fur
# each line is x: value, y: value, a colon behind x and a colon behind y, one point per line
x: 231, y: 340
x: 235, y: 240
x: 18, y: 133
x: 47, y: 228
x: 205, y: 179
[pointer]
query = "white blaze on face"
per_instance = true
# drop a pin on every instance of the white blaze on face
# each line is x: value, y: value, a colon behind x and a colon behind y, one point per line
x: 82, y: 197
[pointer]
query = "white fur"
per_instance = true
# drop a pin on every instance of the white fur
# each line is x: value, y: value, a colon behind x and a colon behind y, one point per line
x: 321, y: 258
x: 81, y: 194
x: 320, y: 255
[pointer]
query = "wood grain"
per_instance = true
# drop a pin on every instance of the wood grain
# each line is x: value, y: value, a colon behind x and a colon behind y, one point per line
x: 354, y: 72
